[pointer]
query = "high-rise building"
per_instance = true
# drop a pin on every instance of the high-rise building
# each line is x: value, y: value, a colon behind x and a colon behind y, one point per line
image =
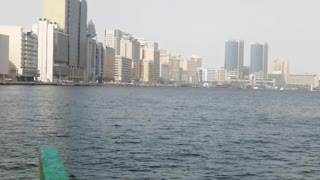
x: 90, y: 70
x: 193, y: 63
x: 23, y: 53
x: 156, y: 63
x: 57, y: 11
x: 234, y: 54
x: 4, y: 55
x: 100, y: 61
x: 130, y: 48
x: 175, y: 69
x: 136, y: 60
x: 92, y: 29
x: 74, y: 31
x: 109, y: 64
x: 92, y: 54
x: 164, y: 65
x: 71, y: 18
x: 52, y: 56
x: 30, y: 51
x: 259, y: 61
x: 147, y: 71
x: 152, y: 54
x: 83, y: 41
x: 113, y: 39
x: 184, y: 73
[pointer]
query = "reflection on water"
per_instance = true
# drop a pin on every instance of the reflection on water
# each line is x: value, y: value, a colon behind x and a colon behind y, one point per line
x: 154, y: 133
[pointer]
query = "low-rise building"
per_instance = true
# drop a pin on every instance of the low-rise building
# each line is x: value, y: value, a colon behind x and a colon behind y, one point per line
x: 123, y: 69
x: 212, y: 75
x: 303, y: 80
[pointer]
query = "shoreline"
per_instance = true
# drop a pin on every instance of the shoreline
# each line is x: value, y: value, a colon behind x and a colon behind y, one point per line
x: 148, y: 86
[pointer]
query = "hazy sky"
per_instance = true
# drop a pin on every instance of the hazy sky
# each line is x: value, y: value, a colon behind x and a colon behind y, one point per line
x: 186, y: 27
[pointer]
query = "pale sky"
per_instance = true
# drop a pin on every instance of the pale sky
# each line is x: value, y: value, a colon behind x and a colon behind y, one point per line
x: 186, y: 27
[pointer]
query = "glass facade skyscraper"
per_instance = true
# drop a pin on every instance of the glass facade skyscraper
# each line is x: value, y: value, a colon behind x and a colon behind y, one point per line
x: 234, y: 52
x: 259, y: 60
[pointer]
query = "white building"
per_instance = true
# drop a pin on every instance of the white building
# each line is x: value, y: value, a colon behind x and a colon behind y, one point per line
x: 46, y: 50
x: 123, y: 69
x: 22, y: 52
x: 212, y: 75
x: 217, y: 75
x: 202, y: 74
x: 4, y: 55
x: 113, y: 39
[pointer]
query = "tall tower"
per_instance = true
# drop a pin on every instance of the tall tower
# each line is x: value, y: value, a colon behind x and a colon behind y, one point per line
x: 83, y: 40
x: 92, y: 29
x: 259, y: 60
x: 74, y: 31
x: 57, y: 11
x: 234, y: 52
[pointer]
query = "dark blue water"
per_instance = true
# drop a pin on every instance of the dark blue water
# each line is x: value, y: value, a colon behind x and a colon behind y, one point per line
x: 161, y: 133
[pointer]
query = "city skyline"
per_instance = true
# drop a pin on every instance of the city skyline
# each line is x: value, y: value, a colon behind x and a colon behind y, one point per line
x: 290, y: 34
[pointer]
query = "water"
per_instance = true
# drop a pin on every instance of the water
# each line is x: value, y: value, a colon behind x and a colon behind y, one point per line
x: 161, y: 133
